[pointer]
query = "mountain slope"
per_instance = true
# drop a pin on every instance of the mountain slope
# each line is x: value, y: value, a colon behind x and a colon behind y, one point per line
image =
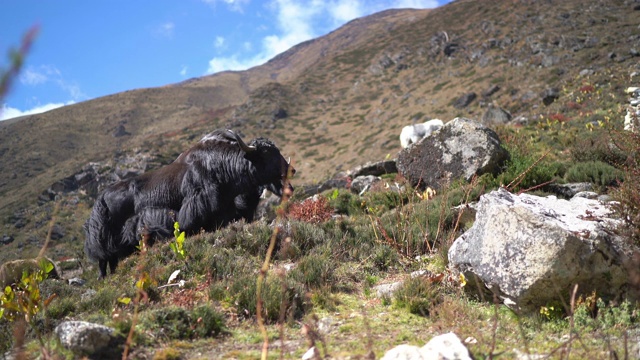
x: 339, y: 100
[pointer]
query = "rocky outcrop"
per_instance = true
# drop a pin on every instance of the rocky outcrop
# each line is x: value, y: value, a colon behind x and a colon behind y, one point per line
x: 531, y: 251
x: 343, y: 180
x: 462, y: 148
x: 377, y: 168
x: 94, y: 176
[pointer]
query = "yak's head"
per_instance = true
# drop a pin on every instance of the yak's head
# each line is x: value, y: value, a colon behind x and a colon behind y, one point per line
x: 274, y: 171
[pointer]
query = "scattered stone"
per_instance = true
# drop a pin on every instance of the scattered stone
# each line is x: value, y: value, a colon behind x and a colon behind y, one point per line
x: 88, y: 295
x: 550, y: 95
x: 490, y: 91
x: 386, y: 290
x: 463, y: 148
x: 532, y: 250
x: 567, y: 191
x: 377, y: 168
x: 404, y: 352
x: 120, y: 131
x: 76, y: 281
x: 6, y: 239
x: 57, y: 232
x: 446, y: 347
x: 362, y: 184
x: 443, y: 347
x: 312, y: 354
x: 495, y: 115
x: 586, y: 195
x: 465, y: 100
x: 85, y: 338
x: 586, y: 72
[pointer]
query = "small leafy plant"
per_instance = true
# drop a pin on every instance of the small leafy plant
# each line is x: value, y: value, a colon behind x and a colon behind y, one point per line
x: 178, y: 245
x: 24, y: 299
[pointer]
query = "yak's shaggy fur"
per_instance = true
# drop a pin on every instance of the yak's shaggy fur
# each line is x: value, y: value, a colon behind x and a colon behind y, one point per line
x: 217, y: 181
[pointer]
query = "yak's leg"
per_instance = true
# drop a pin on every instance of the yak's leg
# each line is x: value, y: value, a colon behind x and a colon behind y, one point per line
x: 113, y: 263
x: 102, y: 266
x: 205, y: 210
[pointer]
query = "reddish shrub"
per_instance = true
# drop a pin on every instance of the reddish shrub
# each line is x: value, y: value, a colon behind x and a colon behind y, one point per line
x: 558, y: 117
x: 587, y: 89
x: 572, y: 105
x: 313, y: 210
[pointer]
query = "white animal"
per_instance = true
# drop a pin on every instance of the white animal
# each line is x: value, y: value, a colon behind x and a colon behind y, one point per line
x: 413, y: 133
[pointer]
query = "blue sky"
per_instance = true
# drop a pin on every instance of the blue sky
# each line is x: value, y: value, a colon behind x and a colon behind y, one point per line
x: 91, y: 48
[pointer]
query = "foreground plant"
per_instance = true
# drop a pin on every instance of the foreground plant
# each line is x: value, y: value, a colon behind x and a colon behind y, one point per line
x: 24, y: 301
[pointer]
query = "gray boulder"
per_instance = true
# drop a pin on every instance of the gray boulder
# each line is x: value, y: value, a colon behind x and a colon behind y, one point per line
x: 11, y: 271
x: 363, y: 183
x: 464, y: 100
x: 531, y: 251
x: 461, y: 149
x: 495, y: 115
x: 85, y: 338
x: 374, y: 168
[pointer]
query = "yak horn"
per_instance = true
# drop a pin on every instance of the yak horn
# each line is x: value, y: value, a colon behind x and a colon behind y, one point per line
x: 246, y: 148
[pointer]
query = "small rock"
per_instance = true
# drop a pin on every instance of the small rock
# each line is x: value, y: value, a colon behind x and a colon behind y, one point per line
x: 76, y: 281
x: 84, y: 337
x: 550, y: 95
x: 6, y: 239
x: 311, y: 354
x: 465, y: 100
x: 362, y: 184
x: 586, y: 195
x: 443, y: 347
x: 386, y: 290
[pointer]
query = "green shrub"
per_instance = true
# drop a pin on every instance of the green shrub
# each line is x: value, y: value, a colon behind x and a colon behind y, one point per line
x: 281, y: 297
x: 103, y: 301
x: 418, y: 295
x: 345, y: 202
x: 595, y: 172
x: 597, y: 146
x: 315, y: 270
x: 524, y: 171
x: 179, y: 323
x: 208, y: 322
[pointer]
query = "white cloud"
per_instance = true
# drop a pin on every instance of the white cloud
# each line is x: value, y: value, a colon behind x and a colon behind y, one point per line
x: 247, y: 46
x: 234, y: 5
x: 231, y: 63
x: 184, y: 70
x: 43, y: 74
x: 32, y: 77
x: 219, y: 42
x: 345, y: 10
x: 7, y: 112
x: 301, y: 20
x: 165, y: 30
x: 415, y: 4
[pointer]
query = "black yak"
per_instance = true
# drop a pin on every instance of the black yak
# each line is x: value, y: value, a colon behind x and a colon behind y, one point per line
x: 216, y: 182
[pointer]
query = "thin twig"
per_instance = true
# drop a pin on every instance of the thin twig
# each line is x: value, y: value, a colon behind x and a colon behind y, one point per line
x: 521, y: 176
x: 265, y: 268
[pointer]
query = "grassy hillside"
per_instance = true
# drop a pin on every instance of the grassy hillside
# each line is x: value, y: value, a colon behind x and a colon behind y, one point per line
x: 331, y: 104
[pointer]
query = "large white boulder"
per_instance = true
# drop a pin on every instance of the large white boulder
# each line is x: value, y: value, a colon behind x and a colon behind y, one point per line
x: 531, y: 250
